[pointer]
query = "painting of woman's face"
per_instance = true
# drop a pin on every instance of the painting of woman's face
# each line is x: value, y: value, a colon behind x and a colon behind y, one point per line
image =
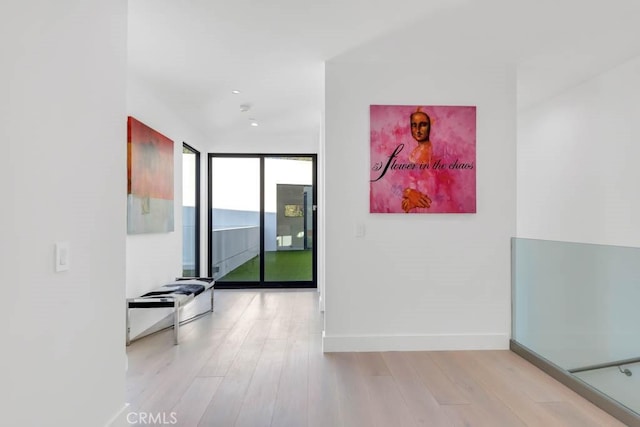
x: 420, y: 125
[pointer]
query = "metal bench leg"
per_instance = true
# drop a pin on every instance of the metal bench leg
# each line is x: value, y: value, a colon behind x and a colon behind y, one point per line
x: 176, y: 320
x: 212, y: 299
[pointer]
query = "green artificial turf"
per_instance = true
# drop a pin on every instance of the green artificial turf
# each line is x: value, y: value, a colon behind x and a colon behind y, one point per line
x: 279, y: 266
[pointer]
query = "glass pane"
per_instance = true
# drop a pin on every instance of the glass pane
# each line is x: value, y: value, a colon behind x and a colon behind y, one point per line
x: 575, y: 304
x: 189, y: 230
x: 235, y: 202
x: 288, y: 219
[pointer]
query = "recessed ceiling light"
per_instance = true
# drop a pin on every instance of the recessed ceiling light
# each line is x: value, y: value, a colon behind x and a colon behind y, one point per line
x: 235, y: 92
x: 254, y: 124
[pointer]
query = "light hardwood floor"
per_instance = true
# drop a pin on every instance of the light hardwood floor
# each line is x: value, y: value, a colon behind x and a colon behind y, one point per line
x: 257, y: 361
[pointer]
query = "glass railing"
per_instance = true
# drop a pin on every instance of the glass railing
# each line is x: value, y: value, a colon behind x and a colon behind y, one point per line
x: 233, y: 247
x: 577, y: 306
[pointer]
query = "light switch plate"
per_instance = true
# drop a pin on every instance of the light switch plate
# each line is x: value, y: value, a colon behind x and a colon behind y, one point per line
x: 63, y: 256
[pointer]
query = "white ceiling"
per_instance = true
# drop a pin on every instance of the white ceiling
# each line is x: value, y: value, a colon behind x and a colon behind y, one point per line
x: 194, y: 52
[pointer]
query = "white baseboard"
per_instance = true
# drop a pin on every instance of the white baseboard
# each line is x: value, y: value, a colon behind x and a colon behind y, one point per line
x: 435, y: 342
x: 119, y: 418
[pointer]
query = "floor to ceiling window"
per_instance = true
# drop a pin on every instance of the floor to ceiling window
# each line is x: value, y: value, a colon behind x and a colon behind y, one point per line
x: 262, y: 220
x: 190, y: 211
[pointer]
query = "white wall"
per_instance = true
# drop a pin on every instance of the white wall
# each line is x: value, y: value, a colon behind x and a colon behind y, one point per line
x: 257, y: 140
x: 417, y: 282
x: 321, y: 217
x: 63, y: 175
x: 578, y: 162
x: 156, y: 259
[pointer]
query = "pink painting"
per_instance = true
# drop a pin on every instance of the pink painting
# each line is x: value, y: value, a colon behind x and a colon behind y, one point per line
x: 423, y: 159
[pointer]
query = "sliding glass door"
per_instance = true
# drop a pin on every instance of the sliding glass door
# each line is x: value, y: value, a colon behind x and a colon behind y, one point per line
x: 235, y: 219
x: 262, y: 220
x: 289, y: 219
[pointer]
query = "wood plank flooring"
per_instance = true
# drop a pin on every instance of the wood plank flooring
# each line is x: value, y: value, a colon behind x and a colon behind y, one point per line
x: 258, y: 361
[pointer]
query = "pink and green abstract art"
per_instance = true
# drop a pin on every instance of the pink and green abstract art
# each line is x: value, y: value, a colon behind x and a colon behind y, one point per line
x: 423, y: 159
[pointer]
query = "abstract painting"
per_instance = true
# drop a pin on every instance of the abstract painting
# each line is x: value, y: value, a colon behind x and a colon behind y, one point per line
x: 423, y: 159
x: 149, y: 180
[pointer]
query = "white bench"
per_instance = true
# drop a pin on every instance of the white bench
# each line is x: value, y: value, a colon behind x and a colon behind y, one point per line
x: 173, y: 295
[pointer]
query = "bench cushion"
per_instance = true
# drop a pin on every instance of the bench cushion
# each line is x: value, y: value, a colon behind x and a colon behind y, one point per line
x: 181, y: 291
x: 173, y: 290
